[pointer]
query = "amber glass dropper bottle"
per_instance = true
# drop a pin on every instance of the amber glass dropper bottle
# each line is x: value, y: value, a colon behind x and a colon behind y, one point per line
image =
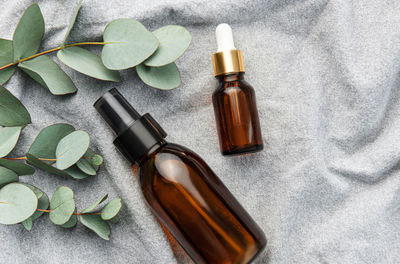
x: 234, y: 99
x: 181, y: 190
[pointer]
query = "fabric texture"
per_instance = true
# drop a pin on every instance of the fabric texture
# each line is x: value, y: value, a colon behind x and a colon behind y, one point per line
x: 326, y: 188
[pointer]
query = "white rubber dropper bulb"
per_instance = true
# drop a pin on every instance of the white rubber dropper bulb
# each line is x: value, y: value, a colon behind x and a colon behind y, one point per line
x: 224, y: 37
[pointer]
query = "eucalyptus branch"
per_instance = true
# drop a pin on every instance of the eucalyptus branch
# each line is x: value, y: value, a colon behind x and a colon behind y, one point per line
x: 49, y: 211
x: 70, y: 156
x: 52, y: 50
x: 127, y: 44
x: 25, y: 158
x: 44, y: 159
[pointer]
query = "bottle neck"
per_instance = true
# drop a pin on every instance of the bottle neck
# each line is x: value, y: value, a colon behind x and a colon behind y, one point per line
x: 231, y: 77
x: 154, y: 149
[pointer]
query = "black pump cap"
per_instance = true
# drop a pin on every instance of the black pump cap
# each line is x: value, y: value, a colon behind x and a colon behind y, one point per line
x: 116, y: 111
x: 136, y: 134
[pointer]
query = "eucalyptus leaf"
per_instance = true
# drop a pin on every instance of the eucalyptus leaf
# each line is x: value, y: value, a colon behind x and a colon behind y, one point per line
x: 174, y: 40
x: 45, y: 144
x: 62, y: 205
x: 76, y: 173
x: 12, y: 112
x: 85, y: 166
x: 72, y: 21
x: 96, y: 160
x: 71, y: 148
x: 39, y: 193
x: 7, y: 176
x: 94, y: 205
x: 17, y: 167
x: 86, y: 163
x: 17, y: 203
x: 8, y: 139
x: 6, y: 57
x: 165, y: 78
x: 42, y: 204
x: 29, y: 32
x: 43, y: 201
x: 97, y: 225
x: 49, y: 75
x: 131, y: 44
x: 114, y: 220
x: 45, y: 166
x: 111, y: 209
x: 88, y: 63
x: 71, y: 222
x: 27, y: 224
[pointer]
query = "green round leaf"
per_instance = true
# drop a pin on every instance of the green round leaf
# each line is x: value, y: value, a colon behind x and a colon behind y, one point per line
x: 76, y: 173
x: 111, y: 209
x: 71, y: 222
x: 45, y: 144
x: 114, y: 220
x: 88, y: 63
x: 43, y: 201
x: 62, y: 205
x: 85, y: 166
x: 12, y: 112
x: 28, y: 224
x: 95, y: 204
x: 71, y: 148
x: 45, y: 166
x: 72, y: 21
x: 133, y: 44
x: 39, y: 193
x: 18, y: 167
x: 42, y: 204
x: 17, y: 203
x: 6, y: 57
x: 7, y: 176
x: 49, y: 75
x: 29, y: 32
x: 165, y: 78
x: 174, y: 40
x: 96, y: 160
x: 8, y: 139
x: 97, y: 225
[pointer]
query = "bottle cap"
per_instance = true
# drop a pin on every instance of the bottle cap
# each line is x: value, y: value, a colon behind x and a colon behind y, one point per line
x: 136, y: 134
x: 227, y: 59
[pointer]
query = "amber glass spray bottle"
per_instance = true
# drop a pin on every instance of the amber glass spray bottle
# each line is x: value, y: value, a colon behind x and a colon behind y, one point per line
x: 234, y: 99
x: 181, y: 190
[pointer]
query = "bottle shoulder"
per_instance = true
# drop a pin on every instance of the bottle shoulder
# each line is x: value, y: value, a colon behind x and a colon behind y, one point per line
x: 176, y: 149
x: 172, y: 163
x: 170, y: 151
x: 236, y: 85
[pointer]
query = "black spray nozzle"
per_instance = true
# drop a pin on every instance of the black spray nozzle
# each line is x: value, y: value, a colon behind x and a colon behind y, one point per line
x: 116, y: 111
x: 136, y: 134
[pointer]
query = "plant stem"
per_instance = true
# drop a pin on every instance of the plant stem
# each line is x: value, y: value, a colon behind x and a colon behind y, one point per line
x: 49, y: 211
x: 24, y: 158
x: 19, y: 158
x: 52, y: 50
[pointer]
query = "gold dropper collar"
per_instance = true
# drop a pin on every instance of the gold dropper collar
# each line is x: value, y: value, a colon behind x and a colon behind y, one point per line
x: 228, y: 61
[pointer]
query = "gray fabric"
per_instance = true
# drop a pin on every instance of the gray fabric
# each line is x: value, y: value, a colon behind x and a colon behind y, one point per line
x: 326, y: 74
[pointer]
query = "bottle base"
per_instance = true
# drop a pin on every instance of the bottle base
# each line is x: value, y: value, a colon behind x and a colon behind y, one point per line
x: 243, y: 150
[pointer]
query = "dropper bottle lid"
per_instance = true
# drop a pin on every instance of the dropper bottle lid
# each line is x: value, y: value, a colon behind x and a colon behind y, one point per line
x: 136, y: 134
x: 227, y: 59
